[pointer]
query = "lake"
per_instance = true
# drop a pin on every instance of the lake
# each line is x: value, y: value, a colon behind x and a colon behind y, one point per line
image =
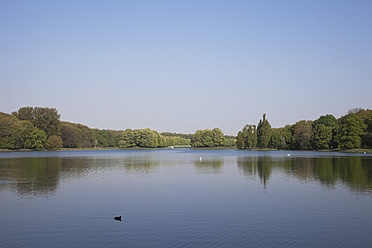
x: 185, y: 198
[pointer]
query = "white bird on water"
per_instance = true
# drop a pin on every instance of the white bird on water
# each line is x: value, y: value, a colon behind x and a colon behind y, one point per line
x: 288, y: 154
x: 200, y: 158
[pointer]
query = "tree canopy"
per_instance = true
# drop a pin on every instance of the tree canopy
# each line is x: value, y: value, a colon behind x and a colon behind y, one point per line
x: 353, y: 130
x: 40, y: 128
x: 211, y: 138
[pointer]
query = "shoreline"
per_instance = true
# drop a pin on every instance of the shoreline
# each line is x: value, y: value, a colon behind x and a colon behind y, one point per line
x: 358, y: 150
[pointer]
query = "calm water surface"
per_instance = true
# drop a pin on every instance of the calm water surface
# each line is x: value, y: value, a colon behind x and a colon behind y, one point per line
x: 185, y: 198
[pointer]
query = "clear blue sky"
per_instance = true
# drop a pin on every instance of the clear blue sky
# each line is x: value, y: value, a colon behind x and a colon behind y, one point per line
x: 180, y: 66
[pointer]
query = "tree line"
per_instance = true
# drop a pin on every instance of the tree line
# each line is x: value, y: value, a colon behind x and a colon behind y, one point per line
x: 211, y: 138
x: 40, y: 128
x: 353, y: 130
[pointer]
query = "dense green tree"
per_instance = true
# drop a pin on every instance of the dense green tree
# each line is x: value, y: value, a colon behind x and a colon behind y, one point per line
x: 102, y: 138
x: 38, y: 139
x: 367, y: 137
x: 54, y: 142
x: 263, y: 133
x: 218, y: 137
x: 322, y: 136
x: 349, y: 131
x: 6, y: 123
x: 148, y: 138
x: 208, y: 138
x: 250, y: 136
x: 46, y: 119
x: 327, y: 120
x: 16, y: 134
x: 240, y: 140
x: 78, y: 136
x: 175, y: 140
x: 162, y: 141
x: 288, y: 135
x: 302, y: 135
x: 126, y: 139
x: 230, y: 142
x: 21, y: 134
x: 179, y: 135
x: 197, y: 139
x: 70, y: 136
x: 278, y: 138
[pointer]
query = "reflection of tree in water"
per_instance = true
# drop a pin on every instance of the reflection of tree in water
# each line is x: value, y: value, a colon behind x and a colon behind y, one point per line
x: 209, y: 166
x: 324, y: 171
x: 136, y: 167
x: 260, y: 166
x: 248, y: 165
x: 353, y: 171
x: 31, y: 176
x: 300, y: 167
x: 40, y: 176
x: 75, y: 168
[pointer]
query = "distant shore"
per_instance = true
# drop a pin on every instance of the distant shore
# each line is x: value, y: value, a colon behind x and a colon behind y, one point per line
x: 360, y: 150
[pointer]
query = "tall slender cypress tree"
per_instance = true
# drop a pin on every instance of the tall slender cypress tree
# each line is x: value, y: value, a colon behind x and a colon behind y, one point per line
x: 263, y: 133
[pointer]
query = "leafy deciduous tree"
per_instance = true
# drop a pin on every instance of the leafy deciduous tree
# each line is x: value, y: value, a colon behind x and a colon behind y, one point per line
x: 54, y: 142
x: 349, y: 131
x: 302, y: 135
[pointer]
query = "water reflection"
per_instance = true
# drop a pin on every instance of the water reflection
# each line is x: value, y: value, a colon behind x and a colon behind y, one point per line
x: 352, y: 171
x: 209, y: 166
x: 133, y: 167
x: 256, y: 166
x: 41, y: 176
x: 27, y: 176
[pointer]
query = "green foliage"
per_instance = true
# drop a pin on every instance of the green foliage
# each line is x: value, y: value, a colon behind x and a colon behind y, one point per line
x: 249, y: 136
x: 349, y: 131
x: 6, y: 129
x: 105, y: 138
x: 178, y: 135
x: 302, y: 135
x: 46, y: 119
x: 326, y: 120
x: 218, y: 137
x: 229, y: 142
x: 208, y: 138
x: 176, y: 141
x: 21, y: 134
x: 329, y: 121
x: 240, y: 140
x: 322, y: 136
x: 278, y: 138
x: 16, y: 134
x: 263, y: 133
x: 146, y: 138
x: 38, y: 139
x: 367, y: 137
x: 70, y: 136
x: 54, y: 142
x: 33, y: 127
